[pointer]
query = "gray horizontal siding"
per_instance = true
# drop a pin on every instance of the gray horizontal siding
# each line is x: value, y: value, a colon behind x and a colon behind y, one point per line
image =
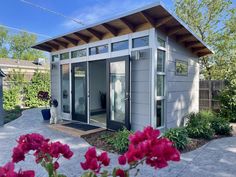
x: 140, y: 93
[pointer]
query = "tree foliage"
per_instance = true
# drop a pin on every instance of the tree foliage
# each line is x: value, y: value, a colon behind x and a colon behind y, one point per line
x: 3, y: 42
x: 209, y: 19
x: 18, y: 45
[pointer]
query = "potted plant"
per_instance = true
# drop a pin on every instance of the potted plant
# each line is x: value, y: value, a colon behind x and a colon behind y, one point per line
x: 44, y: 96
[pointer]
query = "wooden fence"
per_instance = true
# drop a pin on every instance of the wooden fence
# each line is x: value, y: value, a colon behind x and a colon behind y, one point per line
x: 208, y: 92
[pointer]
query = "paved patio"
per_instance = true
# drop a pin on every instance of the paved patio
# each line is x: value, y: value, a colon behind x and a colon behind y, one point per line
x: 216, y: 159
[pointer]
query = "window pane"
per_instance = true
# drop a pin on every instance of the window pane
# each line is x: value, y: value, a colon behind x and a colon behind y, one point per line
x: 78, y: 53
x: 102, y: 49
x: 92, y: 51
x: 159, y: 113
x: 181, y: 68
x: 161, y: 42
x: 65, y: 88
x: 98, y: 50
x: 119, y: 46
x: 141, y: 41
x: 161, y: 55
x: 160, y: 85
x: 54, y: 58
x: 64, y: 56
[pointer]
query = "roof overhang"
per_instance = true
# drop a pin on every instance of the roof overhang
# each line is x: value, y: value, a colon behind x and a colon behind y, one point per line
x: 152, y: 16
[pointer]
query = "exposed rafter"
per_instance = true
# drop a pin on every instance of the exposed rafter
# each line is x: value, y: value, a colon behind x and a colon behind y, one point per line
x: 97, y: 34
x: 128, y: 24
x: 183, y: 38
x: 199, y: 49
x: 192, y: 44
x: 149, y: 19
x: 71, y: 40
x: 173, y: 30
x: 111, y: 29
x: 61, y: 43
x: 54, y: 46
x: 43, y: 47
x: 200, y: 54
x: 162, y: 21
x: 82, y: 37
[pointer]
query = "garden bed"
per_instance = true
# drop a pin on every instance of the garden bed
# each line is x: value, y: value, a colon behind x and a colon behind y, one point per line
x: 13, y: 114
x: 99, y: 140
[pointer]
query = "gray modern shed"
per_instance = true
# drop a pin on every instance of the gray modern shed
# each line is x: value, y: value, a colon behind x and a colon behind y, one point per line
x: 1, y: 98
x: 137, y: 69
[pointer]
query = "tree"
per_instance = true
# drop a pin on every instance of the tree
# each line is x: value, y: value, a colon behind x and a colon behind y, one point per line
x: 3, y: 42
x: 20, y: 46
x: 207, y: 18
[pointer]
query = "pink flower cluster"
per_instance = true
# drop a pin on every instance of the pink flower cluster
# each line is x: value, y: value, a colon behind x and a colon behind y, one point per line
x: 43, y: 149
x: 8, y: 171
x: 93, y: 161
x: 147, y: 145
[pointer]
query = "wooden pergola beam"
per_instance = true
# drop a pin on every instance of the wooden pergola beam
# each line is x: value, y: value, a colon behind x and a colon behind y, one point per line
x: 128, y: 24
x: 192, y: 44
x: 149, y: 19
x: 54, y: 46
x: 61, y: 43
x: 111, y: 29
x: 71, y: 40
x: 82, y: 37
x: 173, y: 30
x: 162, y: 21
x: 183, y: 38
x: 95, y: 33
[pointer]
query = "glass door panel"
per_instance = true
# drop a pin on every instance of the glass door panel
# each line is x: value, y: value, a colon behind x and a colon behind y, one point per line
x: 118, y: 99
x: 79, y: 92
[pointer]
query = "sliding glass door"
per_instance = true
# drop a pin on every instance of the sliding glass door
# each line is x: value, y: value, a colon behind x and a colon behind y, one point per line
x: 79, y: 92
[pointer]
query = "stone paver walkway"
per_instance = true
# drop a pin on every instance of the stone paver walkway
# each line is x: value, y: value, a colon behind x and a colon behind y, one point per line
x: 216, y: 159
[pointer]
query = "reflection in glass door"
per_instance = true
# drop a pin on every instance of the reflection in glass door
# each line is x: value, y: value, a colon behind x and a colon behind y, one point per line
x: 79, y: 92
x: 118, y: 99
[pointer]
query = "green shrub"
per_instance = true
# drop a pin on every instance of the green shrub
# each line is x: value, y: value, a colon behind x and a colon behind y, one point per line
x: 227, y: 99
x: 199, y: 125
x: 221, y: 126
x: 39, y: 82
x: 120, y: 141
x: 11, y: 98
x: 178, y: 136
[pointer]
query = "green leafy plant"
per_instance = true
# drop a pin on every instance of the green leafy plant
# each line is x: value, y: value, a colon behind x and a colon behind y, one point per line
x: 227, y: 99
x: 120, y: 141
x: 179, y: 136
x: 221, y: 126
x: 11, y: 98
x: 40, y: 81
x: 199, y: 125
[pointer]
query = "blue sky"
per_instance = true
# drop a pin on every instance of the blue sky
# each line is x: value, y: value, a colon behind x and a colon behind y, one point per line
x: 15, y: 13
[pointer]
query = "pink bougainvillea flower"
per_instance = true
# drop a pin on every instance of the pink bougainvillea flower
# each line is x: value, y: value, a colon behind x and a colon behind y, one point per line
x: 147, y: 144
x: 120, y: 173
x: 18, y: 155
x: 93, y: 161
x: 29, y: 173
x: 56, y: 165
x: 8, y: 171
x: 122, y: 160
x: 104, y: 159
